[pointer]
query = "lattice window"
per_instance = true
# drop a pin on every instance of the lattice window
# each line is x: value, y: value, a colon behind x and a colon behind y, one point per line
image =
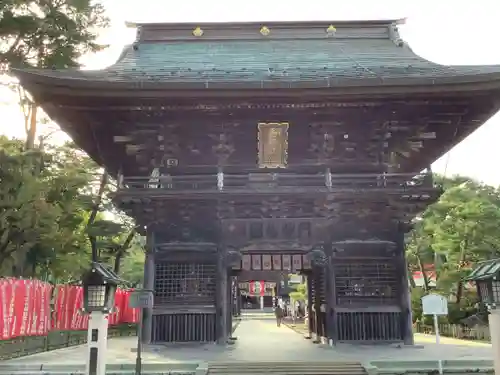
x: 366, y: 280
x: 179, y: 282
x: 495, y: 289
x: 273, y: 145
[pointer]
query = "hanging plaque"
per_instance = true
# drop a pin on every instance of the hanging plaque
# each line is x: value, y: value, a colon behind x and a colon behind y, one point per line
x: 306, y: 262
x: 296, y: 263
x: 246, y: 262
x: 277, y: 262
x: 287, y: 262
x: 267, y: 262
x: 256, y: 262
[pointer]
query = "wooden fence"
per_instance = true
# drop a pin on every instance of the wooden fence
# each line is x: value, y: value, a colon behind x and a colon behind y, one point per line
x: 27, y: 345
x: 479, y: 333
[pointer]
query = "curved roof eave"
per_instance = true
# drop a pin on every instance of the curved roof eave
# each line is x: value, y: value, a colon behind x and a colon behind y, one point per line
x: 43, y: 81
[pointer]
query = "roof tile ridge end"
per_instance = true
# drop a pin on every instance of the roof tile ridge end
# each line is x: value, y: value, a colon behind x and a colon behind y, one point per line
x: 394, y: 35
x: 126, y: 49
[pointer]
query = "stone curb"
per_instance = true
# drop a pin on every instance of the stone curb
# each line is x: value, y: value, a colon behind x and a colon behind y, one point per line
x: 183, y: 368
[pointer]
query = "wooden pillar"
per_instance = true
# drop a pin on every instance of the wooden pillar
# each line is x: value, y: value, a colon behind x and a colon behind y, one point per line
x: 229, y: 303
x: 309, y: 304
x: 318, y: 291
x: 317, y: 302
x: 222, y: 303
x: 239, y: 301
x: 148, y: 283
x: 405, y: 296
x: 331, y: 300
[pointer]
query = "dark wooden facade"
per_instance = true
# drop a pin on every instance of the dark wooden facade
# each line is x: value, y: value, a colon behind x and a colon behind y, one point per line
x: 251, y: 149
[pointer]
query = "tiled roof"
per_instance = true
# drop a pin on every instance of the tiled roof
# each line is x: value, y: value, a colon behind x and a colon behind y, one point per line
x: 485, y: 270
x: 280, y: 60
x: 335, y: 60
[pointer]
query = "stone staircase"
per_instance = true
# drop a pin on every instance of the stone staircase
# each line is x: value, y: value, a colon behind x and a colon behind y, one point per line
x: 287, y: 368
x: 257, y: 316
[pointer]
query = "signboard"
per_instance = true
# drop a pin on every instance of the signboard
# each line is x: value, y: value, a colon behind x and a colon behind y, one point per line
x: 434, y: 304
x: 141, y: 299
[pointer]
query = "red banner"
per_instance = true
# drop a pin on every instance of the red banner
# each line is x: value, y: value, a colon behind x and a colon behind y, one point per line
x: 128, y: 315
x: 257, y: 288
x: 25, y: 308
x: 6, y: 311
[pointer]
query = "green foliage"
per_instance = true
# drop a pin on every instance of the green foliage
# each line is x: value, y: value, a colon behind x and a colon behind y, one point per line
x: 449, y: 238
x: 45, y: 216
x: 133, y: 264
x: 53, y: 214
x: 49, y: 33
x: 300, y: 294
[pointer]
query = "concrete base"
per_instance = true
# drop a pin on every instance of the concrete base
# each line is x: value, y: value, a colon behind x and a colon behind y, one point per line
x: 201, y: 368
x: 263, y: 341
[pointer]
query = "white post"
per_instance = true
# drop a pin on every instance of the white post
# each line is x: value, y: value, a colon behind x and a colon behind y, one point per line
x: 261, y: 303
x: 494, y: 324
x: 436, y: 330
x: 97, y: 343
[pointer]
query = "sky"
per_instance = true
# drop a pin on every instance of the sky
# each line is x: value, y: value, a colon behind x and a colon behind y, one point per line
x: 447, y: 32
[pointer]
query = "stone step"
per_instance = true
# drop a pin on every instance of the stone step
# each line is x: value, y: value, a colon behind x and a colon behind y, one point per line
x: 112, y: 372
x: 287, y: 368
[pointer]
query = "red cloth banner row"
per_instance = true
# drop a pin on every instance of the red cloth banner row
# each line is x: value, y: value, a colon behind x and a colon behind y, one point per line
x: 26, y: 308
x: 257, y: 288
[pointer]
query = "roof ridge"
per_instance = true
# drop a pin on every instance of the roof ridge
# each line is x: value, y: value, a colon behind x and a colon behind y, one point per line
x: 287, y: 24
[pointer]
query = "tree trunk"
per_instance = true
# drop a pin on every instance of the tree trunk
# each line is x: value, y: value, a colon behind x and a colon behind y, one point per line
x: 93, y: 214
x: 461, y: 260
x: 413, y: 285
x: 31, y: 127
x: 120, y: 254
x: 421, y: 268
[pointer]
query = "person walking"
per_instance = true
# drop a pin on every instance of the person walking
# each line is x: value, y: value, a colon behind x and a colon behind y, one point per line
x: 278, y: 312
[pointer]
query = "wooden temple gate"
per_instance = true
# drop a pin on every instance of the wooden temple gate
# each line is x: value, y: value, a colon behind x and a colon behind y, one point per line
x: 300, y: 146
x: 357, y: 289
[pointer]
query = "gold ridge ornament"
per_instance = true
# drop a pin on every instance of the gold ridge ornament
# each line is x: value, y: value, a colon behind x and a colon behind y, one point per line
x: 331, y: 30
x: 198, y: 32
x: 264, y: 30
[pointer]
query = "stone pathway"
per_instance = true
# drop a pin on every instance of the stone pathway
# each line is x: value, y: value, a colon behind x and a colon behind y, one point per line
x: 262, y: 340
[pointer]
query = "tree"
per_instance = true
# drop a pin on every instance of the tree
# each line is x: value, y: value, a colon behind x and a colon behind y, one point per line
x: 46, y: 34
x: 132, y: 268
x: 451, y: 236
x: 34, y: 209
x: 465, y: 223
x: 44, y: 218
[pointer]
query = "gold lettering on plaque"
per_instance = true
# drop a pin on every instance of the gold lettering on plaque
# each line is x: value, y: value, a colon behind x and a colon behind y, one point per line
x: 273, y: 145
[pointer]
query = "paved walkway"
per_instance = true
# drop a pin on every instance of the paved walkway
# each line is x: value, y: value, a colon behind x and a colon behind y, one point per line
x: 262, y: 340
x: 423, y: 339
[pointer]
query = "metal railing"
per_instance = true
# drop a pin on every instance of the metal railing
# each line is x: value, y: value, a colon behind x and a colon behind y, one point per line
x: 28, y: 345
x: 269, y: 181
